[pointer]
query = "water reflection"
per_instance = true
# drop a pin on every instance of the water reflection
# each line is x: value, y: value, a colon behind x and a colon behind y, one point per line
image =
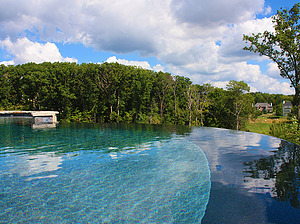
x: 36, y: 153
x: 232, y: 200
x: 36, y: 166
x: 106, y: 175
x: 226, y: 151
x: 279, y: 172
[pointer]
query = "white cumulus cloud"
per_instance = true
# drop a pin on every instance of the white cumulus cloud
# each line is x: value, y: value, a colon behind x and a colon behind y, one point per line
x: 159, y: 68
x: 142, y: 64
x: 273, y: 70
x: 215, y: 12
x: 24, y: 50
x: 6, y: 63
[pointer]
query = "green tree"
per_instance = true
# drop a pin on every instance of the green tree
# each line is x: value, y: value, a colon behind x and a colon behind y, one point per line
x: 15, y: 75
x: 65, y: 78
x: 111, y: 92
x: 35, y: 86
x: 238, y: 90
x: 4, y: 88
x: 162, y: 88
x: 219, y: 113
x: 140, y: 83
x: 282, y: 46
x: 180, y: 88
x: 190, y: 99
x: 201, y: 101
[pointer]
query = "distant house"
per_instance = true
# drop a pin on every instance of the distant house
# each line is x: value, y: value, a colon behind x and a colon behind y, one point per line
x: 286, y: 108
x: 264, y: 107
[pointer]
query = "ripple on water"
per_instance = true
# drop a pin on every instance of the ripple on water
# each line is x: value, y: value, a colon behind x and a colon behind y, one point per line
x: 158, y: 181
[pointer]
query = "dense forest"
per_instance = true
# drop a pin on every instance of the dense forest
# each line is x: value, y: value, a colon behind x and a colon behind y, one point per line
x: 111, y: 92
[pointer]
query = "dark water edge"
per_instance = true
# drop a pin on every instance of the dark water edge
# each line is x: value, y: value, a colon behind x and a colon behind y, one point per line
x: 255, y: 178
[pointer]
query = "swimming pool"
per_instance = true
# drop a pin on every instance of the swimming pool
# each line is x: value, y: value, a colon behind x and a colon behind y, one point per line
x: 101, y: 173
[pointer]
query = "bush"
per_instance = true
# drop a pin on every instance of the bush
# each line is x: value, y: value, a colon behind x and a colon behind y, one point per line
x: 127, y: 118
x: 114, y: 117
x: 278, y: 110
x: 256, y: 114
x: 286, y: 130
x: 80, y: 117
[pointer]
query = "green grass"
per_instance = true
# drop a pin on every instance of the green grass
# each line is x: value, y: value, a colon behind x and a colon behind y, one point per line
x: 286, y: 130
x: 262, y: 124
x: 261, y: 128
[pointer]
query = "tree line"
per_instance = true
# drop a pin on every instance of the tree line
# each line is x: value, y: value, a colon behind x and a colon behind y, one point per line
x: 115, y: 93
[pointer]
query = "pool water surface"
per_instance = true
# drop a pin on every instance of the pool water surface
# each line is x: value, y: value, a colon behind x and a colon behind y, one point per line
x: 100, y: 173
x: 79, y: 174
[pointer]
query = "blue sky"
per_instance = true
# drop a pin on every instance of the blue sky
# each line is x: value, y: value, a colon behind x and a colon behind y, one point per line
x: 199, y: 39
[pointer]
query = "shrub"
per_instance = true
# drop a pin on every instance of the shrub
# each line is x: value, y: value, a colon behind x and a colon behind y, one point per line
x: 256, y: 114
x: 286, y: 130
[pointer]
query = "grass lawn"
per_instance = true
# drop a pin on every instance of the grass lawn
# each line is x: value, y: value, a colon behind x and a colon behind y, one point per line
x: 262, y: 128
x: 262, y: 123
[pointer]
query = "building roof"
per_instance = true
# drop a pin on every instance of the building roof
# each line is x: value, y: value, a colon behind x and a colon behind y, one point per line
x: 262, y: 105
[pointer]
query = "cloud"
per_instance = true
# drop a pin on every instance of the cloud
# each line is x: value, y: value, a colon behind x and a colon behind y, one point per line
x: 222, y: 58
x: 13, y: 15
x: 215, y: 12
x: 6, y: 63
x: 154, y: 28
x: 124, y: 26
x: 142, y: 64
x: 273, y: 70
x: 232, y: 41
x: 24, y: 50
x: 159, y: 68
x: 268, y: 10
x: 198, y: 39
x: 264, y: 83
x: 241, y: 71
x: 271, y: 85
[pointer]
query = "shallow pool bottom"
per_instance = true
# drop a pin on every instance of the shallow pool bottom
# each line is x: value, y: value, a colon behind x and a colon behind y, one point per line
x: 165, y: 181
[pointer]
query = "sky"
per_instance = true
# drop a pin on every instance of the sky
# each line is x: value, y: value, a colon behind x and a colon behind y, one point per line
x: 199, y: 39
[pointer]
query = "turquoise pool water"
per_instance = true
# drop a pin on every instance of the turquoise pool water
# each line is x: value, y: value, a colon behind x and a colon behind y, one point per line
x: 146, y: 174
x: 101, y: 174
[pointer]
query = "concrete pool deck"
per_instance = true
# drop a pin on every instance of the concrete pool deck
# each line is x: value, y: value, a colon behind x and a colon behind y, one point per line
x: 39, y: 117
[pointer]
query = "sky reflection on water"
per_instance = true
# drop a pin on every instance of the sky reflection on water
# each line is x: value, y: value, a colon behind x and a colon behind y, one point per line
x: 238, y: 196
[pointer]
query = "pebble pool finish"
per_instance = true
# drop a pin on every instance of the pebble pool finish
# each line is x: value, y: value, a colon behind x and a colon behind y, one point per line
x: 101, y: 174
